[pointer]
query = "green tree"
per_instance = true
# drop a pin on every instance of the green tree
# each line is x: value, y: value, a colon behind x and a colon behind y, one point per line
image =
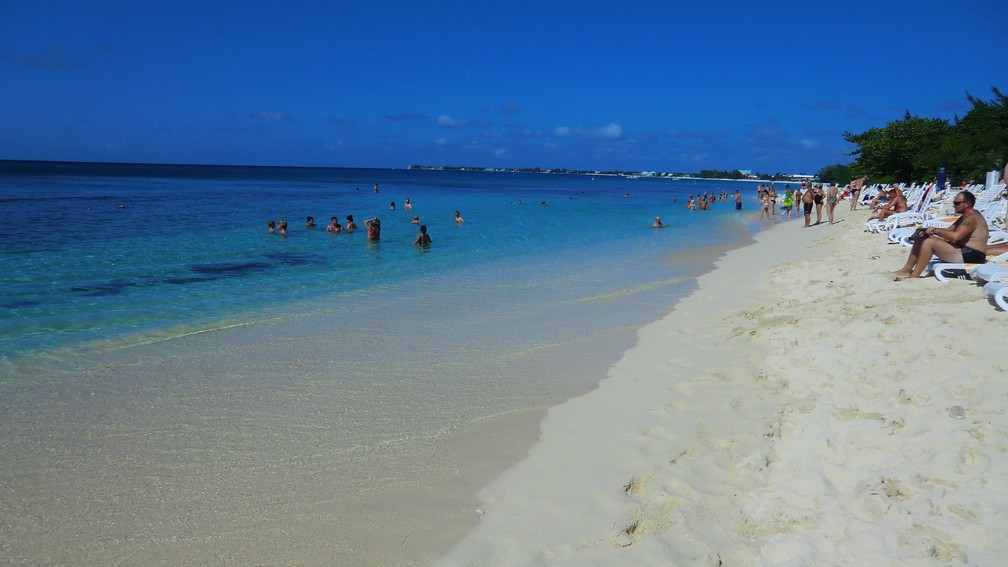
x: 903, y: 150
x: 979, y: 141
x: 839, y: 173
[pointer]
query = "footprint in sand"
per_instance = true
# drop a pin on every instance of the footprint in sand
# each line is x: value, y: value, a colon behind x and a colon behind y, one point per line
x: 635, y: 486
x: 630, y: 534
x: 973, y: 458
x: 874, y: 499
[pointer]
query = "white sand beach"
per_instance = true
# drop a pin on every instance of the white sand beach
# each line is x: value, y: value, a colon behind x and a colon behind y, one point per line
x: 794, y: 410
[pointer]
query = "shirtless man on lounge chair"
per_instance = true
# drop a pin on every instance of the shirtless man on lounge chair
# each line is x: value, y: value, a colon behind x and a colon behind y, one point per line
x: 896, y: 204
x: 963, y: 242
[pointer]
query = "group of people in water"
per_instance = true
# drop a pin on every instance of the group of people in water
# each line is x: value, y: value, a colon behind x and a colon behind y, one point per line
x: 373, y: 225
x: 705, y: 201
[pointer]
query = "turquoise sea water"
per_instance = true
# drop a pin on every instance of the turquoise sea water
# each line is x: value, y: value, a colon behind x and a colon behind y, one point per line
x: 178, y: 386
x: 189, y: 244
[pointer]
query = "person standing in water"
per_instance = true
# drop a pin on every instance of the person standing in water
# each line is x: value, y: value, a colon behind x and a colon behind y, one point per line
x: 373, y: 228
x: 422, y: 239
x: 334, y: 226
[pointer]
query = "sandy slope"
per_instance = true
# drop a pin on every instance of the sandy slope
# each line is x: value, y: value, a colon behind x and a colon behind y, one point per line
x: 793, y: 411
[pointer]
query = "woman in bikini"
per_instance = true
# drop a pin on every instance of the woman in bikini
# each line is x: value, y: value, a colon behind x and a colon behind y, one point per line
x: 832, y: 198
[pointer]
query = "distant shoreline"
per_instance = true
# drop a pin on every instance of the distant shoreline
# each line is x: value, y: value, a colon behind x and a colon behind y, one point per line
x: 49, y: 167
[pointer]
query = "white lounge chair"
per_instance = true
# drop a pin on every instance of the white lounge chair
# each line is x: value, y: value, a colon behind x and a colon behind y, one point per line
x: 946, y: 271
x: 917, y: 198
x: 997, y: 290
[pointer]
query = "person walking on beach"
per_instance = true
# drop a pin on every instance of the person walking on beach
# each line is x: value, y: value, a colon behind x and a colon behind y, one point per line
x: 807, y: 200
x: 373, y: 228
x: 787, y: 204
x: 738, y: 200
x: 818, y: 200
x: 855, y: 192
x: 832, y: 198
x: 422, y: 239
x: 941, y: 179
x: 963, y: 242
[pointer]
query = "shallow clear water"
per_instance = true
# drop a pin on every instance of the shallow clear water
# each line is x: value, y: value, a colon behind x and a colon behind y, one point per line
x: 189, y: 244
x: 179, y: 385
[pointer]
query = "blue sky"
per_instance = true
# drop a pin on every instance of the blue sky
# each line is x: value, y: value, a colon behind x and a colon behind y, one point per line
x: 667, y: 86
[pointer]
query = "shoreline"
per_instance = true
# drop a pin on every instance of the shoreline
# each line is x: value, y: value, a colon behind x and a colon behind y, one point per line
x: 781, y: 414
x: 206, y: 444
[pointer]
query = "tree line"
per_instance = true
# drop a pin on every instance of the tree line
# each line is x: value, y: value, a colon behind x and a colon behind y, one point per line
x: 913, y: 148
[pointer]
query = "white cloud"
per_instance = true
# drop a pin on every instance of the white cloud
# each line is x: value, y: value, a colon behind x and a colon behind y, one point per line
x: 500, y: 152
x: 448, y: 122
x: 612, y: 131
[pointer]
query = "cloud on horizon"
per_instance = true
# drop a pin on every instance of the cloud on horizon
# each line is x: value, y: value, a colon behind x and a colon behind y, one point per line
x: 272, y: 116
x: 54, y: 59
x: 611, y: 131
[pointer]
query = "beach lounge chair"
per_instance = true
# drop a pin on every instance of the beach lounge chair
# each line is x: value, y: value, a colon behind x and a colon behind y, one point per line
x: 984, y: 273
x: 997, y: 291
x: 917, y: 198
x: 945, y: 271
